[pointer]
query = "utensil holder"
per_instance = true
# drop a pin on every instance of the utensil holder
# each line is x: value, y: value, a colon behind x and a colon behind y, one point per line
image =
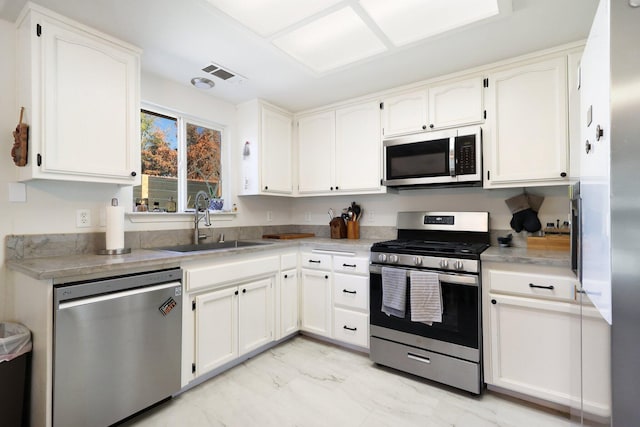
x: 353, y: 230
x: 338, y: 228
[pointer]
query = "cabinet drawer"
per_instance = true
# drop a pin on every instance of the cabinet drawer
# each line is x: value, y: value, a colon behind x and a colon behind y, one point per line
x: 351, y: 327
x: 289, y: 261
x: 315, y: 261
x: 343, y: 264
x: 351, y: 291
x: 533, y: 285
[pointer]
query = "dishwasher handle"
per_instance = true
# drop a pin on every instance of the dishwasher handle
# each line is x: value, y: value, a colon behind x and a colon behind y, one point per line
x: 101, y: 298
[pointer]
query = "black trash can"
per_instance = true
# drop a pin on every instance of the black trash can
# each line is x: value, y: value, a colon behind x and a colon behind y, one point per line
x: 15, y: 346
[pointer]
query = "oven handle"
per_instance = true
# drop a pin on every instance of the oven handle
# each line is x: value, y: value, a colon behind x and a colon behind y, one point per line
x: 452, y: 157
x: 456, y: 279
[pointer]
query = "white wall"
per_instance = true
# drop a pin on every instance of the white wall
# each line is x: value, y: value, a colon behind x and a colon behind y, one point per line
x: 380, y: 210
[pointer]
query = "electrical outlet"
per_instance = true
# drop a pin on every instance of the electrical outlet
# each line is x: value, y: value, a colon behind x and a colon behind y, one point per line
x: 307, y: 217
x: 370, y: 217
x: 269, y: 216
x: 83, y: 218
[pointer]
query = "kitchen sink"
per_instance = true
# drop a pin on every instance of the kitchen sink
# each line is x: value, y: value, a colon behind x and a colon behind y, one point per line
x: 213, y: 246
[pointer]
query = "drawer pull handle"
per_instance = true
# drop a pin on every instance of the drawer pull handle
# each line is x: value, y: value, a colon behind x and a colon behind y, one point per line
x: 314, y: 261
x: 349, y: 292
x: 349, y: 265
x: 550, y: 287
x: 349, y: 329
x: 418, y: 358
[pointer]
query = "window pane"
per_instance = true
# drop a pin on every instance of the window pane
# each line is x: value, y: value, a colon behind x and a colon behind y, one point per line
x: 204, y: 170
x: 159, y: 154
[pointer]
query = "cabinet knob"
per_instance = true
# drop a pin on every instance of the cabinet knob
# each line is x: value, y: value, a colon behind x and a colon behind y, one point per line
x: 331, y: 188
x: 244, y: 291
x: 133, y: 173
x: 337, y: 188
x: 424, y: 127
x: 599, y: 133
x: 494, y: 301
x: 266, y: 187
x: 563, y: 174
x: 286, y: 275
x: 326, y: 276
x: 236, y: 292
x: 431, y: 126
x: 587, y: 147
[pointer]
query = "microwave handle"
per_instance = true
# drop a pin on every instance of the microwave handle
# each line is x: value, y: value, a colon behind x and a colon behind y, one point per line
x: 452, y: 157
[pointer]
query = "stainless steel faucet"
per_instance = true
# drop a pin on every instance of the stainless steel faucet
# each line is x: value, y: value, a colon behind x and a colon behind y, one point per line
x: 201, y: 195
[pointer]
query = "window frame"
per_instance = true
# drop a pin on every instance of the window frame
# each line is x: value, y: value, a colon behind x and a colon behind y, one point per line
x: 182, y: 119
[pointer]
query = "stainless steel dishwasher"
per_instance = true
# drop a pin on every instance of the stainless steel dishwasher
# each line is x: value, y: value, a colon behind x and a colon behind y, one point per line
x: 117, y: 346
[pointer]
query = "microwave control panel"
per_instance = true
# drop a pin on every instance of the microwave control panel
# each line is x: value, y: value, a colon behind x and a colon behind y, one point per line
x: 465, y: 155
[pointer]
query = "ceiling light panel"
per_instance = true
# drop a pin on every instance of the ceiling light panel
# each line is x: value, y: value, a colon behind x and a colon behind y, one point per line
x: 407, y: 21
x: 332, y: 41
x: 267, y: 17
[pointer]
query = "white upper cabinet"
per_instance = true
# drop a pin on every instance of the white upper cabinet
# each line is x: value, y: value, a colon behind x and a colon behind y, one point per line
x: 405, y: 113
x: 339, y: 151
x: 456, y: 104
x: 526, y: 142
x: 265, y: 148
x: 316, y: 150
x: 80, y: 89
x: 358, y: 165
x: 446, y: 105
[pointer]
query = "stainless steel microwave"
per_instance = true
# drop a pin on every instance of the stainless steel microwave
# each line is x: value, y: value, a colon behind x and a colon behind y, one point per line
x: 447, y: 157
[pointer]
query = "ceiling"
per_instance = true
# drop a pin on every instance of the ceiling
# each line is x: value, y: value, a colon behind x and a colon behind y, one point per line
x: 179, y: 38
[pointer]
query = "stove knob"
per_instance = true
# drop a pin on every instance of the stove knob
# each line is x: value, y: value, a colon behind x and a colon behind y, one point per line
x: 459, y: 265
x: 382, y: 257
x: 417, y: 260
x: 444, y: 263
x: 393, y: 258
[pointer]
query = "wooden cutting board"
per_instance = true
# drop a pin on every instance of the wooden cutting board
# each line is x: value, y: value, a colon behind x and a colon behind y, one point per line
x: 286, y: 236
x: 555, y: 242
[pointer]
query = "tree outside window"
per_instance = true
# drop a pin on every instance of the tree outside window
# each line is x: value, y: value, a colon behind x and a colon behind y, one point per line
x: 167, y: 143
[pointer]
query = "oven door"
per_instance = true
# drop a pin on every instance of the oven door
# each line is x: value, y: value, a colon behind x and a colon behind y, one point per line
x: 459, y: 333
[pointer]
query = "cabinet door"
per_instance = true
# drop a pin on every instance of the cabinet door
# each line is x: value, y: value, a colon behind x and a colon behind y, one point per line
x: 316, y: 302
x: 255, y: 314
x: 276, y: 152
x: 216, y: 329
x: 535, y: 347
x: 289, y: 320
x: 316, y: 150
x: 456, y: 104
x: 90, y: 107
x: 405, y: 113
x: 358, y: 148
x: 527, y: 141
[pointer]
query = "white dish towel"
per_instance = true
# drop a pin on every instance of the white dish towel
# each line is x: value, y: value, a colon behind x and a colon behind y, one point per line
x: 394, y: 291
x: 425, y: 297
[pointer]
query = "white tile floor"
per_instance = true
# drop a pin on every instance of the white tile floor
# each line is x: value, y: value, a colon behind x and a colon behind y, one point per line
x: 304, y: 382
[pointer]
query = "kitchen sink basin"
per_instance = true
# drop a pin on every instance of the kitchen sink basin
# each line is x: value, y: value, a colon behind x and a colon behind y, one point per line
x: 213, y: 246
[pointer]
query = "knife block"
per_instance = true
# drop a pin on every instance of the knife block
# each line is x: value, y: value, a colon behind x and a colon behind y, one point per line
x: 338, y: 228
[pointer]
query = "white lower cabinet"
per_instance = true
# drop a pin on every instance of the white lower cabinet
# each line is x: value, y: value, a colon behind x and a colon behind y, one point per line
x: 533, y: 336
x: 289, y: 302
x: 231, y: 322
x: 316, y: 301
x: 216, y: 329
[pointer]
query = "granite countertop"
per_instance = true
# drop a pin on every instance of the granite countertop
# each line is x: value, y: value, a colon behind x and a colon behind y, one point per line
x: 527, y: 256
x: 78, y: 267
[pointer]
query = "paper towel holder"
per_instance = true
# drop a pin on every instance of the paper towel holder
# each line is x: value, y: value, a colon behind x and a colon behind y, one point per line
x: 119, y: 251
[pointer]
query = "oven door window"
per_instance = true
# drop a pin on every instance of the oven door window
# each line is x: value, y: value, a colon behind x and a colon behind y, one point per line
x: 459, y: 317
x: 418, y: 160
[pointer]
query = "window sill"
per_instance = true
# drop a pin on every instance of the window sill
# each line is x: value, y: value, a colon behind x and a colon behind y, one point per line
x: 142, y: 217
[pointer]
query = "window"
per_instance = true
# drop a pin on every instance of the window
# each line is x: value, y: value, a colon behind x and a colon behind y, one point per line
x: 180, y: 156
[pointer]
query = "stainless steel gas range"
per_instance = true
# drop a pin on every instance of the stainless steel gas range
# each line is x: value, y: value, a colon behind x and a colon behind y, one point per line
x: 430, y: 272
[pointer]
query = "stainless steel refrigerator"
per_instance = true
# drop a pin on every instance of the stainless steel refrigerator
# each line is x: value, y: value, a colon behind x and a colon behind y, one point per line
x: 610, y: 193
